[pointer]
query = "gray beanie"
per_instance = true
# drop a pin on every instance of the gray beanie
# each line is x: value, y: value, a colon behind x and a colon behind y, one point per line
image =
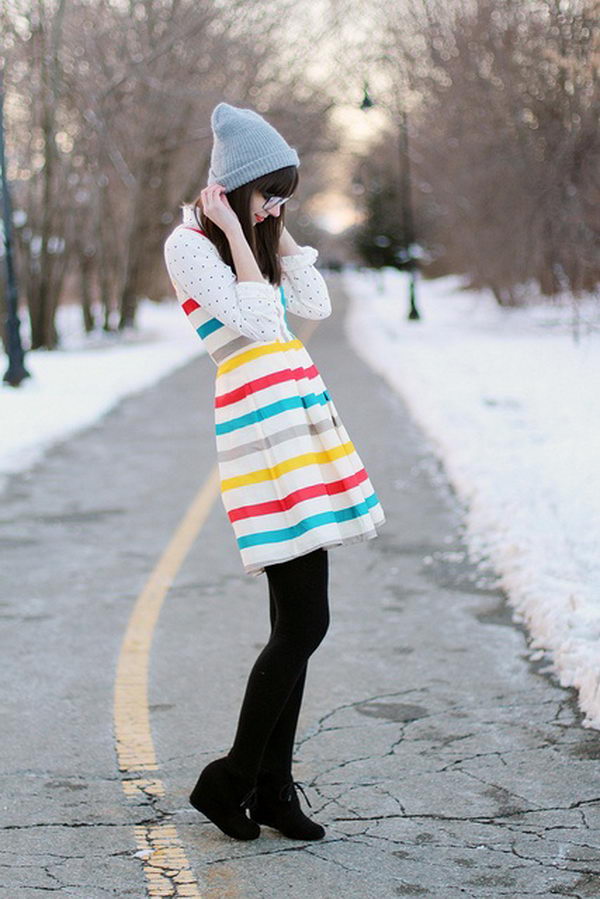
x: 245, y: 147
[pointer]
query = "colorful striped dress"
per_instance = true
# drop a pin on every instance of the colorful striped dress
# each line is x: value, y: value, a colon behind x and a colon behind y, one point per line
x: 291, y: 478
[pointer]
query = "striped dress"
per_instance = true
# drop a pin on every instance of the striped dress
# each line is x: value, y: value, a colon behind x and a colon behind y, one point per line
x: 291, y: 478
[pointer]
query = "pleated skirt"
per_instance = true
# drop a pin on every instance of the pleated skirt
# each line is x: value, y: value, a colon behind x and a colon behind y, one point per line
x: 291, y: 478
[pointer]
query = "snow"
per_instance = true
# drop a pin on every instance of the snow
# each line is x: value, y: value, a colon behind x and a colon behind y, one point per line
x: 509, y: 401
x: 75, y: 385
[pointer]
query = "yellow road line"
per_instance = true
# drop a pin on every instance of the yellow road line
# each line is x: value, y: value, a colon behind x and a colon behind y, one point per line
x: 166, y: 867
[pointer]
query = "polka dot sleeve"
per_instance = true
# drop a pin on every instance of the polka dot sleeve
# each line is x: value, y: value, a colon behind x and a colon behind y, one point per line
x: 197, y: 271
x: 305, y: 288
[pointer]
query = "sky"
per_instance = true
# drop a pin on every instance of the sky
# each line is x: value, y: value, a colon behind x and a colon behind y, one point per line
x: 335, y: 209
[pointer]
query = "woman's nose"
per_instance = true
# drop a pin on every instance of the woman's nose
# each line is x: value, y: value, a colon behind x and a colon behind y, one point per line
x: 275, y: 210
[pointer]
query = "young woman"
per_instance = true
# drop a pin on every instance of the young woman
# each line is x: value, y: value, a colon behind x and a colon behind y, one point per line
x: 292, y: 482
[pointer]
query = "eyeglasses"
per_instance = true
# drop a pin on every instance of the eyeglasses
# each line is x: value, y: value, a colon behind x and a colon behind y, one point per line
x: 270, y: 202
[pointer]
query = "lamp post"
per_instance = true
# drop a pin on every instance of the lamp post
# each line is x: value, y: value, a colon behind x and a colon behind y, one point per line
x: 405, y: 201
x: 16, y: 371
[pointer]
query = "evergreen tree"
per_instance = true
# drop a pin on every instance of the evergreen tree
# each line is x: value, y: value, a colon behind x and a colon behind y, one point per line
x: 381, y: 239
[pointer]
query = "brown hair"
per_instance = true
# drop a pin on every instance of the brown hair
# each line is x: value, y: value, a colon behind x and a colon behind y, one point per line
x: 264, y: 237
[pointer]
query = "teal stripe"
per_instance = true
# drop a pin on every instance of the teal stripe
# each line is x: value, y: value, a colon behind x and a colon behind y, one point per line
x: 291, y: 402
x: 214, y: 324
x: 208, y: 327
x: 284, y: 304
x: 313, y: 521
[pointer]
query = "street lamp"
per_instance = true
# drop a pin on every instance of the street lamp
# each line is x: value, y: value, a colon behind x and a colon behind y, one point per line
x: 406, y: 202
x: 366, y: 101
x: 16, y: 371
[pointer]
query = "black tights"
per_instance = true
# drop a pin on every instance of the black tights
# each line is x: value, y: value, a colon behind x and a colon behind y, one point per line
x: 299, y: 613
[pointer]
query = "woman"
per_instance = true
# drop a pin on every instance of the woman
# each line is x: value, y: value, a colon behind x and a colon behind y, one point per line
x: 292, y: 483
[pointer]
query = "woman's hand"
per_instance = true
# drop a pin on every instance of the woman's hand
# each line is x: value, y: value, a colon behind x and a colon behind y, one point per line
x: 216, y: 207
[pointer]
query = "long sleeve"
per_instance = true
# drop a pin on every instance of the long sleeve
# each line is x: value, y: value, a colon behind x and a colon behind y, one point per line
x: 197, y: 271
x: 305, y: 288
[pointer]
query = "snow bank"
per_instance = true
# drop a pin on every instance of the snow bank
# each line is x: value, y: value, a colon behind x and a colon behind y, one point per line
x: 510, y: 402
x: 73, y: 386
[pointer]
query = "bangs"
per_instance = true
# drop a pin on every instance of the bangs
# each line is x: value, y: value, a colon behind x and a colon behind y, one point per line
x: 280, y: 183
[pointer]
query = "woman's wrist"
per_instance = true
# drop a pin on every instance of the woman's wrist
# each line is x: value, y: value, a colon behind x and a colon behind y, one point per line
x: 233, y: 231
x: 246, y: 266
x: 287, y: 244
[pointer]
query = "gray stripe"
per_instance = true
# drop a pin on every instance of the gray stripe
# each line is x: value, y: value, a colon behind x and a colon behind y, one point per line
x: 230, y: 347
x: 270, y: 440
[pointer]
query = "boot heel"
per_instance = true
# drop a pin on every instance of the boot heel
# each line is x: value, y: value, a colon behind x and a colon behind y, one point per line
x: 222, y: 796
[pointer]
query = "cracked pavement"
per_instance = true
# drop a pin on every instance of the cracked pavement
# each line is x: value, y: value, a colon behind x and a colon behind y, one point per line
x: 443, y: 761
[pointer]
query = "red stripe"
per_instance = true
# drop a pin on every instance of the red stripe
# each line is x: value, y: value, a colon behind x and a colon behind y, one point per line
x: 190, y: 305
x: 286, y: 503
x: 276, y: 377
x: 191, y: 228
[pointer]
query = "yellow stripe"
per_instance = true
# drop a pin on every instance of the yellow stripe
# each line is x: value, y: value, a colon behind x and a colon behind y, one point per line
x: 254, y: 353
x: 270, y: 474
x: 165, y: 863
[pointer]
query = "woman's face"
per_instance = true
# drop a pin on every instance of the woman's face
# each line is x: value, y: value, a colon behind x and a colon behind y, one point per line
x: 257, y: 213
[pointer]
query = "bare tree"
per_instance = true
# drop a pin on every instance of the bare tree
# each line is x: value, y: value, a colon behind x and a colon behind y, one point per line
x: 122, y: 93
x: 503, y: 101
x: 35, y: 39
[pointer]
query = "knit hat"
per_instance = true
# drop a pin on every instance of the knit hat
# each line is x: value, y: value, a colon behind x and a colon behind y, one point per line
x: 245, y: 147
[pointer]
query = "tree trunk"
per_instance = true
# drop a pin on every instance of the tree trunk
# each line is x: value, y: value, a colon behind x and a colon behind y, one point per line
x: 85, y: 271
x: 44, y: 296
x: 134, y: 249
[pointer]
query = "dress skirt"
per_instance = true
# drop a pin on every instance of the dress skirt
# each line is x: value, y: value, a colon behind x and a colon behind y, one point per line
x: 291, y: 478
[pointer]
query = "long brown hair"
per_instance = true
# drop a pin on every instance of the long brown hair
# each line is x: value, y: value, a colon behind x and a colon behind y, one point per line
x: 264, y: 237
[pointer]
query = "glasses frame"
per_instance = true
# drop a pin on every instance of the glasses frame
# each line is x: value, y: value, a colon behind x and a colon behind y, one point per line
x: 270, y: 202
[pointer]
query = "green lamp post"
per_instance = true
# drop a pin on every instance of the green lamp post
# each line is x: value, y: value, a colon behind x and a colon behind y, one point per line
x: 16, y: 371
x: 406, y: 202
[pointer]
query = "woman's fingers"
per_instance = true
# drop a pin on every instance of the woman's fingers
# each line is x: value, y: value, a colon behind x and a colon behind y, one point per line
x: 213, y: 188
x: 211, y: 193
x: 216, y: 206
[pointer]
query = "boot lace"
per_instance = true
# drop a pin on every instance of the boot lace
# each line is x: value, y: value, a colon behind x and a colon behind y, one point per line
x: 287, y: 791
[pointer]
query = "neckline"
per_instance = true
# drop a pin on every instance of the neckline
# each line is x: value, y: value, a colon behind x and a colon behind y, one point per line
x: 189, y: 219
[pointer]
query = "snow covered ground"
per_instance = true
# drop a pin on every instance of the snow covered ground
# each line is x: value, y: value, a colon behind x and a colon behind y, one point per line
x: 510, y: 402
x: 507, y: 398
x: 72, y: 387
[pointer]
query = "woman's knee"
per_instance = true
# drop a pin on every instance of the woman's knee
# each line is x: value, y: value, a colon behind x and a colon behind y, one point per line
x: 316, y: 629
x: 299, y: 591
x: 322, y: 625
x: 302, y: 634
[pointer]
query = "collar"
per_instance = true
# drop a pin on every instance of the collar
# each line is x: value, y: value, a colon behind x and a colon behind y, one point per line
x: 187, y: 215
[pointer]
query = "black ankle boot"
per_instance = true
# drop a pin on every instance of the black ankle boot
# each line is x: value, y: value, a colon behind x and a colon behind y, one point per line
x: 276, y: 804
x: 222, y: 795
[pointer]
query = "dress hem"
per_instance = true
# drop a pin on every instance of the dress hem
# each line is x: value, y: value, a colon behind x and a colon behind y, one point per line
x: 257, y: 568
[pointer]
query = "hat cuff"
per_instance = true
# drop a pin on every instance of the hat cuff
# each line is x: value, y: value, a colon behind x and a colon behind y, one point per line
x: 255, y: 169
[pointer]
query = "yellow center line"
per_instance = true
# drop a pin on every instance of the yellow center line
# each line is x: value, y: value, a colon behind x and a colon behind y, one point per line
x: 167, y: 869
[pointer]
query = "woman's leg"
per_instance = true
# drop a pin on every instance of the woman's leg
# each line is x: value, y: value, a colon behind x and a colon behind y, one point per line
x: 301, y: 619
x: 279, y: 751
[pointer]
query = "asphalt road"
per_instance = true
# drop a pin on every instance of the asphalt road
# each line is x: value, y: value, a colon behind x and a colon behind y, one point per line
x: 441, y: 761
